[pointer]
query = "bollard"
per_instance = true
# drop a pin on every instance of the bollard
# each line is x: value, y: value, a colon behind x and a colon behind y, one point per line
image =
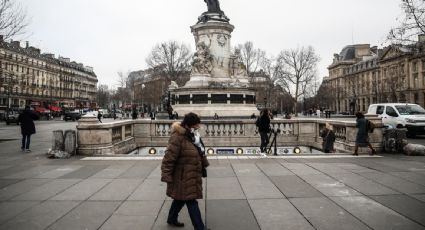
x: 57, y: 142
x: 70, y: 142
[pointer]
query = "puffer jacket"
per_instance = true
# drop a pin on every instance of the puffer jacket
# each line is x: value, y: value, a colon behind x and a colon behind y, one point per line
x: 182, y: 166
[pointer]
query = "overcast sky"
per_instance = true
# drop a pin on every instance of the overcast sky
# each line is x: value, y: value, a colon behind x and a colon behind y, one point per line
x: 113, y: 36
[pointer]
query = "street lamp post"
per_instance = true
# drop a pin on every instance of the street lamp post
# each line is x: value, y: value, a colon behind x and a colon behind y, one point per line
x: 8, y: 79
x: 141, y: 98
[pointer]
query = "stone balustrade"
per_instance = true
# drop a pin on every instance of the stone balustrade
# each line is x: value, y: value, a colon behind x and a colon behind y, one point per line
x: 122, y: 137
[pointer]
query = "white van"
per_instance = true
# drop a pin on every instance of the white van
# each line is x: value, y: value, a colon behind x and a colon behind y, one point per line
x: 401, y: 115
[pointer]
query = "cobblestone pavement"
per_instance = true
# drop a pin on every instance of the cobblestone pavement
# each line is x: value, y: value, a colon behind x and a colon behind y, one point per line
x: 385, y: 192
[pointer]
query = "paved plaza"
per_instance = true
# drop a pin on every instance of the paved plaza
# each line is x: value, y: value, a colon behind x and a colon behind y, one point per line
x: 385, y: 192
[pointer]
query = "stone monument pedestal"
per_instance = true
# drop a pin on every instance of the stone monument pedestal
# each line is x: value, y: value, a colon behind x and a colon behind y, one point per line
x: 219, y: 81
x: 228, y: 102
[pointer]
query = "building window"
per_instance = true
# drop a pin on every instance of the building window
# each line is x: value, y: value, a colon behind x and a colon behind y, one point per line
x: 416, y: 96
x: 416, y: 80
x: 415, y: 66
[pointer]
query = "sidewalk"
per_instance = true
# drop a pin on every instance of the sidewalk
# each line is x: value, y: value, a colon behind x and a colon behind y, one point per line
x: 281, y: 193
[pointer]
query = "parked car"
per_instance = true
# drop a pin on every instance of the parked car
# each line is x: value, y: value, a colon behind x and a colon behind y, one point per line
x: 71, y: 115
x: 12, y: 117
x: 401, y: 115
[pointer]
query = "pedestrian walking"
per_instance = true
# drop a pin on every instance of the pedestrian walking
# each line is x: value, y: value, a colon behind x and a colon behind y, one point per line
x: 362, y: 138
x: 328, y: 136
x: 99, y: 117
x: 183, y: 167
x: 263, y: 124
x: 26, y: 119
x: 318, y: 112
x: 134, y: 114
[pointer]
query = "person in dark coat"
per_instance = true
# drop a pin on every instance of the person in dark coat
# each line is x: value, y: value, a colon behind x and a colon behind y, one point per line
x: 362, y: 138
x: 328, y: 136
x: 263, y: 124
x: 99, y: 117
x: 26, y: 119
x: 182, y: 168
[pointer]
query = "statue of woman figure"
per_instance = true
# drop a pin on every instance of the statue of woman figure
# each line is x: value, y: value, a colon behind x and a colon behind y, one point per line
x: 213, y: 6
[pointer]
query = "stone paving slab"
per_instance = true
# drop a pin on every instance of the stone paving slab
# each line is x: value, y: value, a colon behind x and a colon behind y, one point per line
x: 230, y: 214
x: 259, y: 187
x: 88, y: 215
x: 10, y: 209
x: 246, y: 170
x: 150, y: 189
x: 329, y: 186
x: 82, y: 190
x: 413, y: 177
x: 395, y: 183
x: 30, y: 173
x: 374, y: 214
x: 40, y: 216
x: 219, y: 171
x: 322, y: 213
x: 119, y: 189
x: 419, y: 197
x: 279, y: 214
x: 47, y: 190
x: 363, y: 185
x: 301, y: 169
x: 293, y: 186
x: 21, y: 187
x: 112, y: 171
x: 128, y: 222
x: 407, y: 206
x: 59, y: 172
x: 227, y: 188
x: 7, y: 182
x: 140, y: 208
x: 138, y: 171
x: 274, y: 169
x: 84, y: 172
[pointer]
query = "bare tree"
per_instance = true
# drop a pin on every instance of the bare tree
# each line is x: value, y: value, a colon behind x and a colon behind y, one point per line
x: 123, y: 92
x: 252, y: 58
x: 13, y: 19
x: 103, y: 96
x: 295, y: 71
x: 173, y: 57
x: 411, y: 24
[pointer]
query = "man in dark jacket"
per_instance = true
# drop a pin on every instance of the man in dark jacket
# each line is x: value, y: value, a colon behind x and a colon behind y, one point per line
x: 26, y: 119
x: 263, y: 124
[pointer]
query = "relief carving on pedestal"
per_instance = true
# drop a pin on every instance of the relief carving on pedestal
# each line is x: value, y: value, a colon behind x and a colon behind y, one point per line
x: 221, y: 40
x: 202, y: 60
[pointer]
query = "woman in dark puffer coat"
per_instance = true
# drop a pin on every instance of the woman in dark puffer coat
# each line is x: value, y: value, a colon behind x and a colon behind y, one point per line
x: 182, y: 170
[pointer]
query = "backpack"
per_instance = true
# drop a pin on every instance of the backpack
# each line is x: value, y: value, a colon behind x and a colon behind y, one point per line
x: 370, y: 126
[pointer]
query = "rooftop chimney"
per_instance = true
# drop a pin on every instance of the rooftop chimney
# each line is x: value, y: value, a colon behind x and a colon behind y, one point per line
x: 27, y: 44
x: 421, y: 38
x: 15, y: 44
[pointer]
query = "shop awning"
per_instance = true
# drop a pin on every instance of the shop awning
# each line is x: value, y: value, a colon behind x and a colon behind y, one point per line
x: 55, y: 108
x: 41, y: 110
